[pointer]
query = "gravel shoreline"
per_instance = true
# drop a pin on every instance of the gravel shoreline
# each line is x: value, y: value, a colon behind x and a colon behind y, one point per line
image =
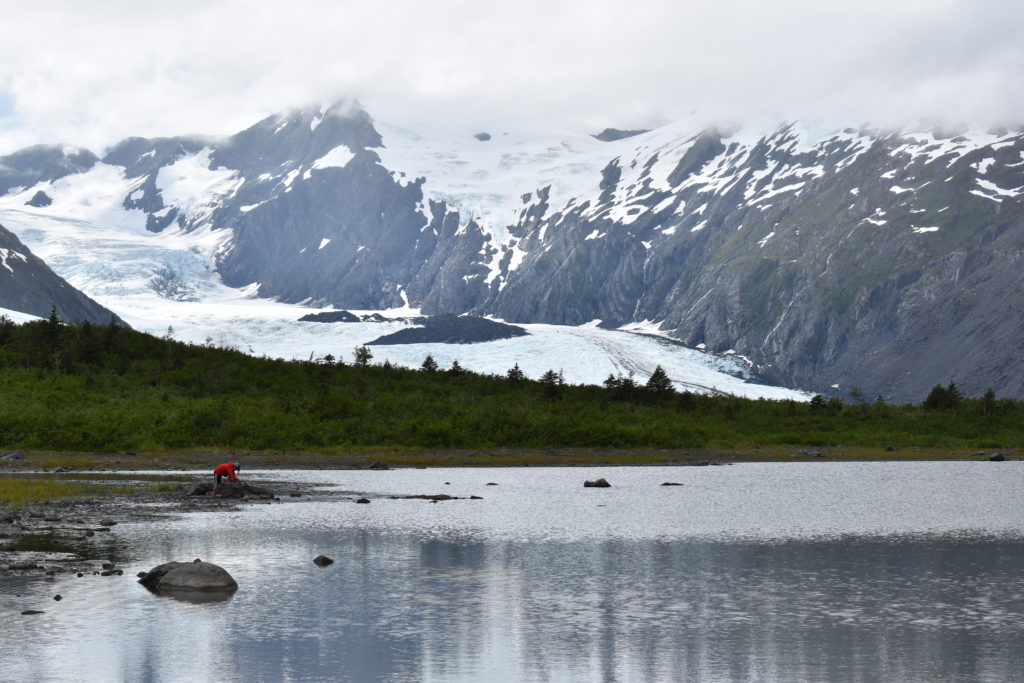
x: 78, y: 535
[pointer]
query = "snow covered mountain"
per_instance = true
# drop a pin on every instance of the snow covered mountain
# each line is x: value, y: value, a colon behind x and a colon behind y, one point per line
x: 28, y: 286
x: 889, y: 261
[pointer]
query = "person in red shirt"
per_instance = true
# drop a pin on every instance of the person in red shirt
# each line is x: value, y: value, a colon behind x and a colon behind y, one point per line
x: 228, y: 470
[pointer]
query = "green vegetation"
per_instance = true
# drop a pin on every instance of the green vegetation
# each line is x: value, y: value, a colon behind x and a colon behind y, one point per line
x: 16, y: 493
x: 83, y: 388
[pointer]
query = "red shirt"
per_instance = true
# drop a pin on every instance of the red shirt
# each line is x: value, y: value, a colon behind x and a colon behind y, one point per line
x: 226, y: 470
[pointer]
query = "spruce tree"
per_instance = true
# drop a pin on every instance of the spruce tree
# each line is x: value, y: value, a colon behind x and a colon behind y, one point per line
x: 515, y: 374
x: 659, y: 383
x: 429, y: 364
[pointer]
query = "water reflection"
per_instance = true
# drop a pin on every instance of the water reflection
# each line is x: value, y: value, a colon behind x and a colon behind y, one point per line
x: 469, y: 604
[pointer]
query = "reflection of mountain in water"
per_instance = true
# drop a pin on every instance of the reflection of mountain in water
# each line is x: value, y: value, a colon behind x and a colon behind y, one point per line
x: 889, y: 609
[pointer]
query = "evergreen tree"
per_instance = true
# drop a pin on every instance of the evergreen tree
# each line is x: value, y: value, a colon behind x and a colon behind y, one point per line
x: 456, y: 369
x: 552, y: 382
x: 943, y: 398
x: 659, y: 383
x: 549, y: 377
x: 429, y: 364
x: 988, y: 402
x: 515, y: 374
x: 363, y: 356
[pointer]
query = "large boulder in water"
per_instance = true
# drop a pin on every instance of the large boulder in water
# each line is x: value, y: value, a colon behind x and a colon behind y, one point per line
x: 188, y: 577
x: 229, y: 489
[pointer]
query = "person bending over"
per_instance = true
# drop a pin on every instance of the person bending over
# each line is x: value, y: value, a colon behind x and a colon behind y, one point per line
x: 228, y: 470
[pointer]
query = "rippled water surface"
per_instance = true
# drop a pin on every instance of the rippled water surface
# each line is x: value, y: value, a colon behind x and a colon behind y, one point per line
x: 781, y: 572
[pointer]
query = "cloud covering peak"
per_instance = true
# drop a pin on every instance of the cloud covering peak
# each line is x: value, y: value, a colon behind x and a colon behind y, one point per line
x: 93, y: 73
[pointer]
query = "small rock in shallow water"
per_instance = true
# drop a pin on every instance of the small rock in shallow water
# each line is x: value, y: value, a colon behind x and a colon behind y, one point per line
x: 107, y: 522
x: 90, y: 532
x: 363, y: 500
x: 671, y: 483
x: 996, y: 457
x: 107, y: 565
x: 23, y: 565
x: 57, y: 597
x: 295, y: 494
x: 597, y: 483
x: 322, y: 561
x: 33, y: 611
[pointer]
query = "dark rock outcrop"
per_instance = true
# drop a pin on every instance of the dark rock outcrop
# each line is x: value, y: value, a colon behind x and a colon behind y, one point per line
x: 322, y: 561
x: 230, y: 489
x: 198, y: 576
x: 330, y: 317
x: 39, y: 199
x: 613, y: 134
x: 597, y: 483
x: 451, y: 329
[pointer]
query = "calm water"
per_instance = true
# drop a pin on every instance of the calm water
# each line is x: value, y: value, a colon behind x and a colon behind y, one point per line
x: 783, y: 572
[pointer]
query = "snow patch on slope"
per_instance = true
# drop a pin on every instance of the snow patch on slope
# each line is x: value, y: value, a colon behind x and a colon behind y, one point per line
x: 336, y: 158
x: 194, y: 188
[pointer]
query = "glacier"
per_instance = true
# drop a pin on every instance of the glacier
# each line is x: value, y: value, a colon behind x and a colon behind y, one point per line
x: 165, y: 283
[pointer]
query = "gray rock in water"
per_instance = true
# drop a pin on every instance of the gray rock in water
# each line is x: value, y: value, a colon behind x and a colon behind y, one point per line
x: 379, y: 466
x: 189, y: 576
x: 10, y: 531
x: 597, y: 483
x: 671, y: 483
x: 364, y: 501
x: 322, y: 561
x: 229, y: 489
x: 996, y: 457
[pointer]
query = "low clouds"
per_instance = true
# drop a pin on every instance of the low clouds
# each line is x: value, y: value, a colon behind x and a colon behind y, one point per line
x: 92, y: 73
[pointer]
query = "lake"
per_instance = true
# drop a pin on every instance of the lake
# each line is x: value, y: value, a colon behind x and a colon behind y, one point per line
x: 752, y: 572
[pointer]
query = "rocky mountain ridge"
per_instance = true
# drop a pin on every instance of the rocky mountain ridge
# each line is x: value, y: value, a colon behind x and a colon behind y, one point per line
x: 890, y: 261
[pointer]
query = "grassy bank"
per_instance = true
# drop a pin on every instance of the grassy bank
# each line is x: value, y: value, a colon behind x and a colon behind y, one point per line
x: 81, y: 388
x: 17, y: 493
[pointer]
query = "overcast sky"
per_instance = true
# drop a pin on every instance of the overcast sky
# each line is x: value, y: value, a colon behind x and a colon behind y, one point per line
x: 91, y: 73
